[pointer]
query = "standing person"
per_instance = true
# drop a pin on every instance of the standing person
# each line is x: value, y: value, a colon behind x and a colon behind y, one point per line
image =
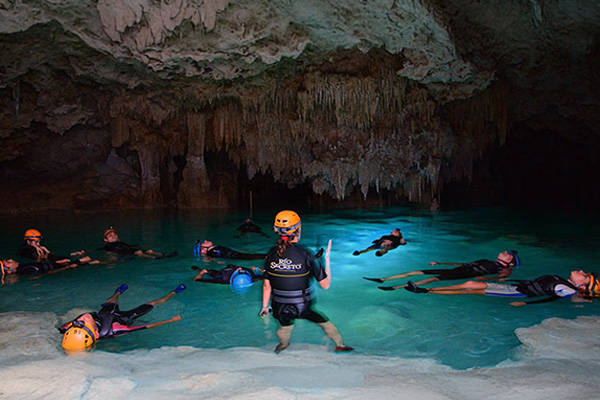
x: 384, y: 243
x: 32, y: 248
x: 501, y: 268
x: 550, y: 287
x: 289, y: 270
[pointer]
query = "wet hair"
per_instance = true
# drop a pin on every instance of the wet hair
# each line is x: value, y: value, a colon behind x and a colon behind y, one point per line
x: 283, y: 244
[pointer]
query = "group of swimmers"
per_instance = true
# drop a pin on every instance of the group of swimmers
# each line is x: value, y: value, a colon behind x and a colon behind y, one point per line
x: 287, y: 276
x: 549, y: 287
x: 287, y: 291
x: 41, y: 260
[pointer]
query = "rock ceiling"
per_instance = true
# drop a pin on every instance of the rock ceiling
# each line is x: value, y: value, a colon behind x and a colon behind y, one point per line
x: 347, y: 94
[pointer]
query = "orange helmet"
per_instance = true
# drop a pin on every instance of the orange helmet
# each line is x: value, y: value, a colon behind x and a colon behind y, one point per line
x: 287, y: 223
x: 79, y: 337
x: 32, y: 234
x: 109, y: 230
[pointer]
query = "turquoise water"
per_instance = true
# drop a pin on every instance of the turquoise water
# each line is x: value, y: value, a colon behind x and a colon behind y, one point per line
x: 459, y: 331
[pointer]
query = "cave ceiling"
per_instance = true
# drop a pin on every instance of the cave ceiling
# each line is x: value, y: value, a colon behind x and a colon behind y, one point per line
x: 126, y: 97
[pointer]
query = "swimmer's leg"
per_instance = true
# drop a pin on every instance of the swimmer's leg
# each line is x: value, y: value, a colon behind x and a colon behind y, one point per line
x: 469, y: 287
x: 119, y: 291
x: 421, y: 282
x: 168, y: 296
x: 404, y: 275
x: 284, y: 333
x: 332, y: 332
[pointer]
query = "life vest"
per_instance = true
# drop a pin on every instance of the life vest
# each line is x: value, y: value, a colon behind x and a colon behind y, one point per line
x: 593, y: 289
x: 290, y: 275
x: 543, y: 286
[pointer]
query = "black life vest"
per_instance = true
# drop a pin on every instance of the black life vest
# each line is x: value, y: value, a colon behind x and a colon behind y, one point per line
x: 291, y: 275
x: 543, y: 286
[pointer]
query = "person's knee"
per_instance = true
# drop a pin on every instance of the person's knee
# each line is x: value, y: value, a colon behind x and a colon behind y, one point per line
x: 474, y: 285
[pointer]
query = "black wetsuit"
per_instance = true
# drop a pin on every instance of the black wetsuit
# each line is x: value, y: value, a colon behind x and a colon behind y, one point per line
x: 377, y: 243
x: 37, y: 268
x: 250, y: 227
x: 111, y: 321
x: 224, y: 275
x: 120, y: 248
x: 465, y: 271
x: 30, y: 252
x: 291, y: 276
x: 226, y: 252
x: 548, y: 285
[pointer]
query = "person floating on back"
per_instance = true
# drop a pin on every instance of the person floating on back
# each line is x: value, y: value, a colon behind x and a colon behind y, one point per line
x: 12, y: 267
x: 82, y: 333
x: 550, y: 287
x: 113, y: 245
x: 384, y: 244
x: 289, y: 272
x: 209, y: 250
x: 32, y: 249
x: 240, y: 278
x: 501, y: 268
x: 248, y: 226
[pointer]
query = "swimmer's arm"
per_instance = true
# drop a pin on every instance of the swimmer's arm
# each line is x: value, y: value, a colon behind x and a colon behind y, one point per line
x: 545, y: 300
x: 443, y: 263
x: 119, y: 329
x: 487, y: 278
x: 326, y: 282
x: 505, y: 273
x: 581, y: 299
x: 266, y: 297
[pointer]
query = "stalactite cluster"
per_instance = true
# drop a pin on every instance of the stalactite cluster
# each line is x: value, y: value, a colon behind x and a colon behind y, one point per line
x: 337, y: 131
x: 478, y: 123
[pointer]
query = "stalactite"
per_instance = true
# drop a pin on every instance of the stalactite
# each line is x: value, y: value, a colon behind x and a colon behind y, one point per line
x: 119, y: 131
x: 17, y: 97
x: 478, y: 122
x: 195, y: 183
x: 336, y: 131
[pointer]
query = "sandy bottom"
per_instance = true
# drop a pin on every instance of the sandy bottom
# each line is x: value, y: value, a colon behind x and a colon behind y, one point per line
x: 558, y: 359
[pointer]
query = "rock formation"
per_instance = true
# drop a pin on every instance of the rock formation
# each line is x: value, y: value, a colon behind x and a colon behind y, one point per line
x: 188, y: 103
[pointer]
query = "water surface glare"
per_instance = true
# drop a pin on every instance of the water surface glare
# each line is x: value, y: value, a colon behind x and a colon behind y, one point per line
x: 459, y: 331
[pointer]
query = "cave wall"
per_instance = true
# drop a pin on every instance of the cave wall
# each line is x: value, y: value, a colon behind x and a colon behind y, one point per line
x: 339, y: 129
x: 193, y: 104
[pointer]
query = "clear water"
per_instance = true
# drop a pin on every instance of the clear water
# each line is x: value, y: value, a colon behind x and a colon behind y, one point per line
x: 459, y: 331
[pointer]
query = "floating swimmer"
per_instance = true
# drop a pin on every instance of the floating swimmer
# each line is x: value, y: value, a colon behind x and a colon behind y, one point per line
x: 82, y: 333
x: 289, y: 272
x: 501, y: 268
x: 32, y: 249
x: 384, y: 244
x: 12, y: 267
x: 240, y: 278
x: 113, y: 245
x: 209, y: 250
x: 551, y: 287
x: 248, y: 226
